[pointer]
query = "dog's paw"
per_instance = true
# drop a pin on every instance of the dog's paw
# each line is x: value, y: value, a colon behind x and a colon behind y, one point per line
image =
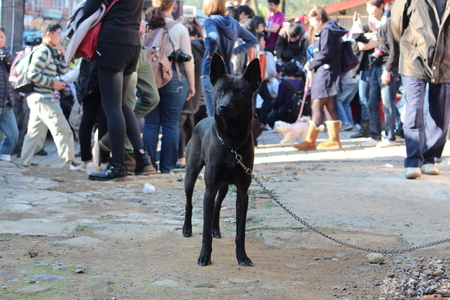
x: 187, y: 232
x: 204, y: 260
x: 245, y: 262
x: 216, y: 234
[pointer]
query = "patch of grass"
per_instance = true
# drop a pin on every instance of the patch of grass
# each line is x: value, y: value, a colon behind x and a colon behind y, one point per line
x: 80, y: 228
x: 255, y: 220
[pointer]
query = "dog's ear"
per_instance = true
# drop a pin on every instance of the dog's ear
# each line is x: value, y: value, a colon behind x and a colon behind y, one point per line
x: 253, y: 74
x: 217, y: 67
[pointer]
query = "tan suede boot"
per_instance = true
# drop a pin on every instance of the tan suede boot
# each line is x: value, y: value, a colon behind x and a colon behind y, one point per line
x: 310, y: 141
x: 333, y: 141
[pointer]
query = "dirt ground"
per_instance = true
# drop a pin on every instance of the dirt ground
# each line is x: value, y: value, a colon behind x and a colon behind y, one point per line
x: 368, y: 204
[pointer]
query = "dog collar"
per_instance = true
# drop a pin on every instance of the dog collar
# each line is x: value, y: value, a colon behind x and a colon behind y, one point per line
x: 225, y: 145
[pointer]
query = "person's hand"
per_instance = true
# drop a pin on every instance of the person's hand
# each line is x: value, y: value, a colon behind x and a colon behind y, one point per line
x: 306, y: 66
x: 357, y: 25
x: 356, y: 17
x: 142, y: 28
x: 58, y: 85
x: 61, y: 50
x: 385, y: 77
x: 191, y: 92
x: 373, y: 24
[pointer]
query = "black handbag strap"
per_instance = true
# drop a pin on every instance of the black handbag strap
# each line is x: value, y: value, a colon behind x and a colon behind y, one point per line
x: 291, y: 87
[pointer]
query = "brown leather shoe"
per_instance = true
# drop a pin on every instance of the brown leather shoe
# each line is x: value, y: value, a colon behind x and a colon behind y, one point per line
x: 104, y: 143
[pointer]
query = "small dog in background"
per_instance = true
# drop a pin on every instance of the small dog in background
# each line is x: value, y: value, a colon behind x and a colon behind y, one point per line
x: 292, y: 131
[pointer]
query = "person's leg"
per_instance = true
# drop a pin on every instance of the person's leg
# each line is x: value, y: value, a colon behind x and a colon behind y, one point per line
x: 152, y: 126
x: 317, y: 108
x: 330, y: 109
x: 413, y: 126
x: 374, y: 100
x: 53, y: 117
x: 353, y: 89
x: 91, y: 104
x: 363, y: 93
x: 338, y: 102
x: 146, y: 85
x: 111, y: 84
x: 183, y: 140
x: 132, y: 127
x: 8, y: 124
x: 333, y: 126
x: 437, y: 122
x: 207, y: 93
x: 170, y: 117
x: 36, y: 131
x: 388, y: 95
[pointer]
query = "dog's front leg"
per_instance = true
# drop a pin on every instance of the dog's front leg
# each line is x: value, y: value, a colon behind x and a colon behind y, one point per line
x: 241, y: 216
x: 223, y: 190
x: 208, y: 211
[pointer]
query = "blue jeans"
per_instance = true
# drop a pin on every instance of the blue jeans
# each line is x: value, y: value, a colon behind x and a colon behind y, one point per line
x: 424, y: 143
x: 343, y: 100
x: 388, y: 93
x: 166, y: 115
x: 363, y: 93
x: 208, y: 95
x: 8, y: 125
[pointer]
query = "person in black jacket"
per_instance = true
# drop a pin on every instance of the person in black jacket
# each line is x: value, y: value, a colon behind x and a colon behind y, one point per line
x: 326, y: 83
x: 383, y: 79
x: 294, y: 38
x: 8, y: 123
x: 191, y: 106
x: 118, y: 52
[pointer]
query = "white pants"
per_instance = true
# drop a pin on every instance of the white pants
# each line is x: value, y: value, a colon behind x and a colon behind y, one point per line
x: 47, y: 114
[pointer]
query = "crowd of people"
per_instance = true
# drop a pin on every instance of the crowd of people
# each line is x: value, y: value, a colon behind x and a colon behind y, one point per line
x: 118, y: 95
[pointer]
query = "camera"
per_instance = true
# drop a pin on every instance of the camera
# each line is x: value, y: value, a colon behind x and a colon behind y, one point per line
x: 178, y: 55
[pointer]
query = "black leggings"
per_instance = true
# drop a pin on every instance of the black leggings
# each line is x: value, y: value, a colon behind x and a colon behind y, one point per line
x: 121, y: 119
x: 92, y: 113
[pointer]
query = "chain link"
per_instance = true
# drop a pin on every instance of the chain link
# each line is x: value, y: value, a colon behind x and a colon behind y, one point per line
x: 309, y: 226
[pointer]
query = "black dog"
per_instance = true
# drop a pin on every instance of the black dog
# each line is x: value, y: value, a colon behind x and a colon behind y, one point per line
x: 214, y: 144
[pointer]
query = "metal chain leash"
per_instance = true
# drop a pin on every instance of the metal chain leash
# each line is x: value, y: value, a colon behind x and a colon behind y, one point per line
x: 309, y: 226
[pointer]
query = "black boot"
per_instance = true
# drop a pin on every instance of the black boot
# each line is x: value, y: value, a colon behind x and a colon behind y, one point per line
x: 363, y: 132
x: 116, y: 170
x: 143, y: 166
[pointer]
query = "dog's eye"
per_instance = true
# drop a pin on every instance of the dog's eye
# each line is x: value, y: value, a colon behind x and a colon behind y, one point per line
x: 220, y: 90
x: 239, y: 93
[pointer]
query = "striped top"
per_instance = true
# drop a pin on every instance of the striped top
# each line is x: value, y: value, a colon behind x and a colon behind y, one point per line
x: 43, y: 72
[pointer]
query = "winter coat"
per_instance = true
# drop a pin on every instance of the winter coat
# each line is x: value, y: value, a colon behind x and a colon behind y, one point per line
x: 423, y: 38
x: 388, y: 46
x: 78, y: 26
x: 326, y: 62
x: 5, y: 87
x: 121, y: 23
x: 298, y: 47
x: 222, y: 33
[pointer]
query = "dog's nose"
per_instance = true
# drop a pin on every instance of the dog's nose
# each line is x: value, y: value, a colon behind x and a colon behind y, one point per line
x: 224, y: 106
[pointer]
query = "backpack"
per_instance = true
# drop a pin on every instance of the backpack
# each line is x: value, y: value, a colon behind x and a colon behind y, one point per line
x: 293, y: 107
x: 348, y: 58
x: 155, y: 47
x: 18, y: 75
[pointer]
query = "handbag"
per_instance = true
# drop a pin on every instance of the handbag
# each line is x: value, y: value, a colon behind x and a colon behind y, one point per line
x: 88, y: 46
x: 348, y: 58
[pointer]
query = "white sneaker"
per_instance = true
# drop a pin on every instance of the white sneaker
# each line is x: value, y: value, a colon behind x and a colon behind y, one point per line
x: 386, y: 143
x: 370, y: 143
x: 430, y: 169
x: 412, y: 173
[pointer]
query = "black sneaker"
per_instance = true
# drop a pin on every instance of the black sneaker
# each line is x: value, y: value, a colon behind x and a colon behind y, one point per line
x: 42, y: 152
